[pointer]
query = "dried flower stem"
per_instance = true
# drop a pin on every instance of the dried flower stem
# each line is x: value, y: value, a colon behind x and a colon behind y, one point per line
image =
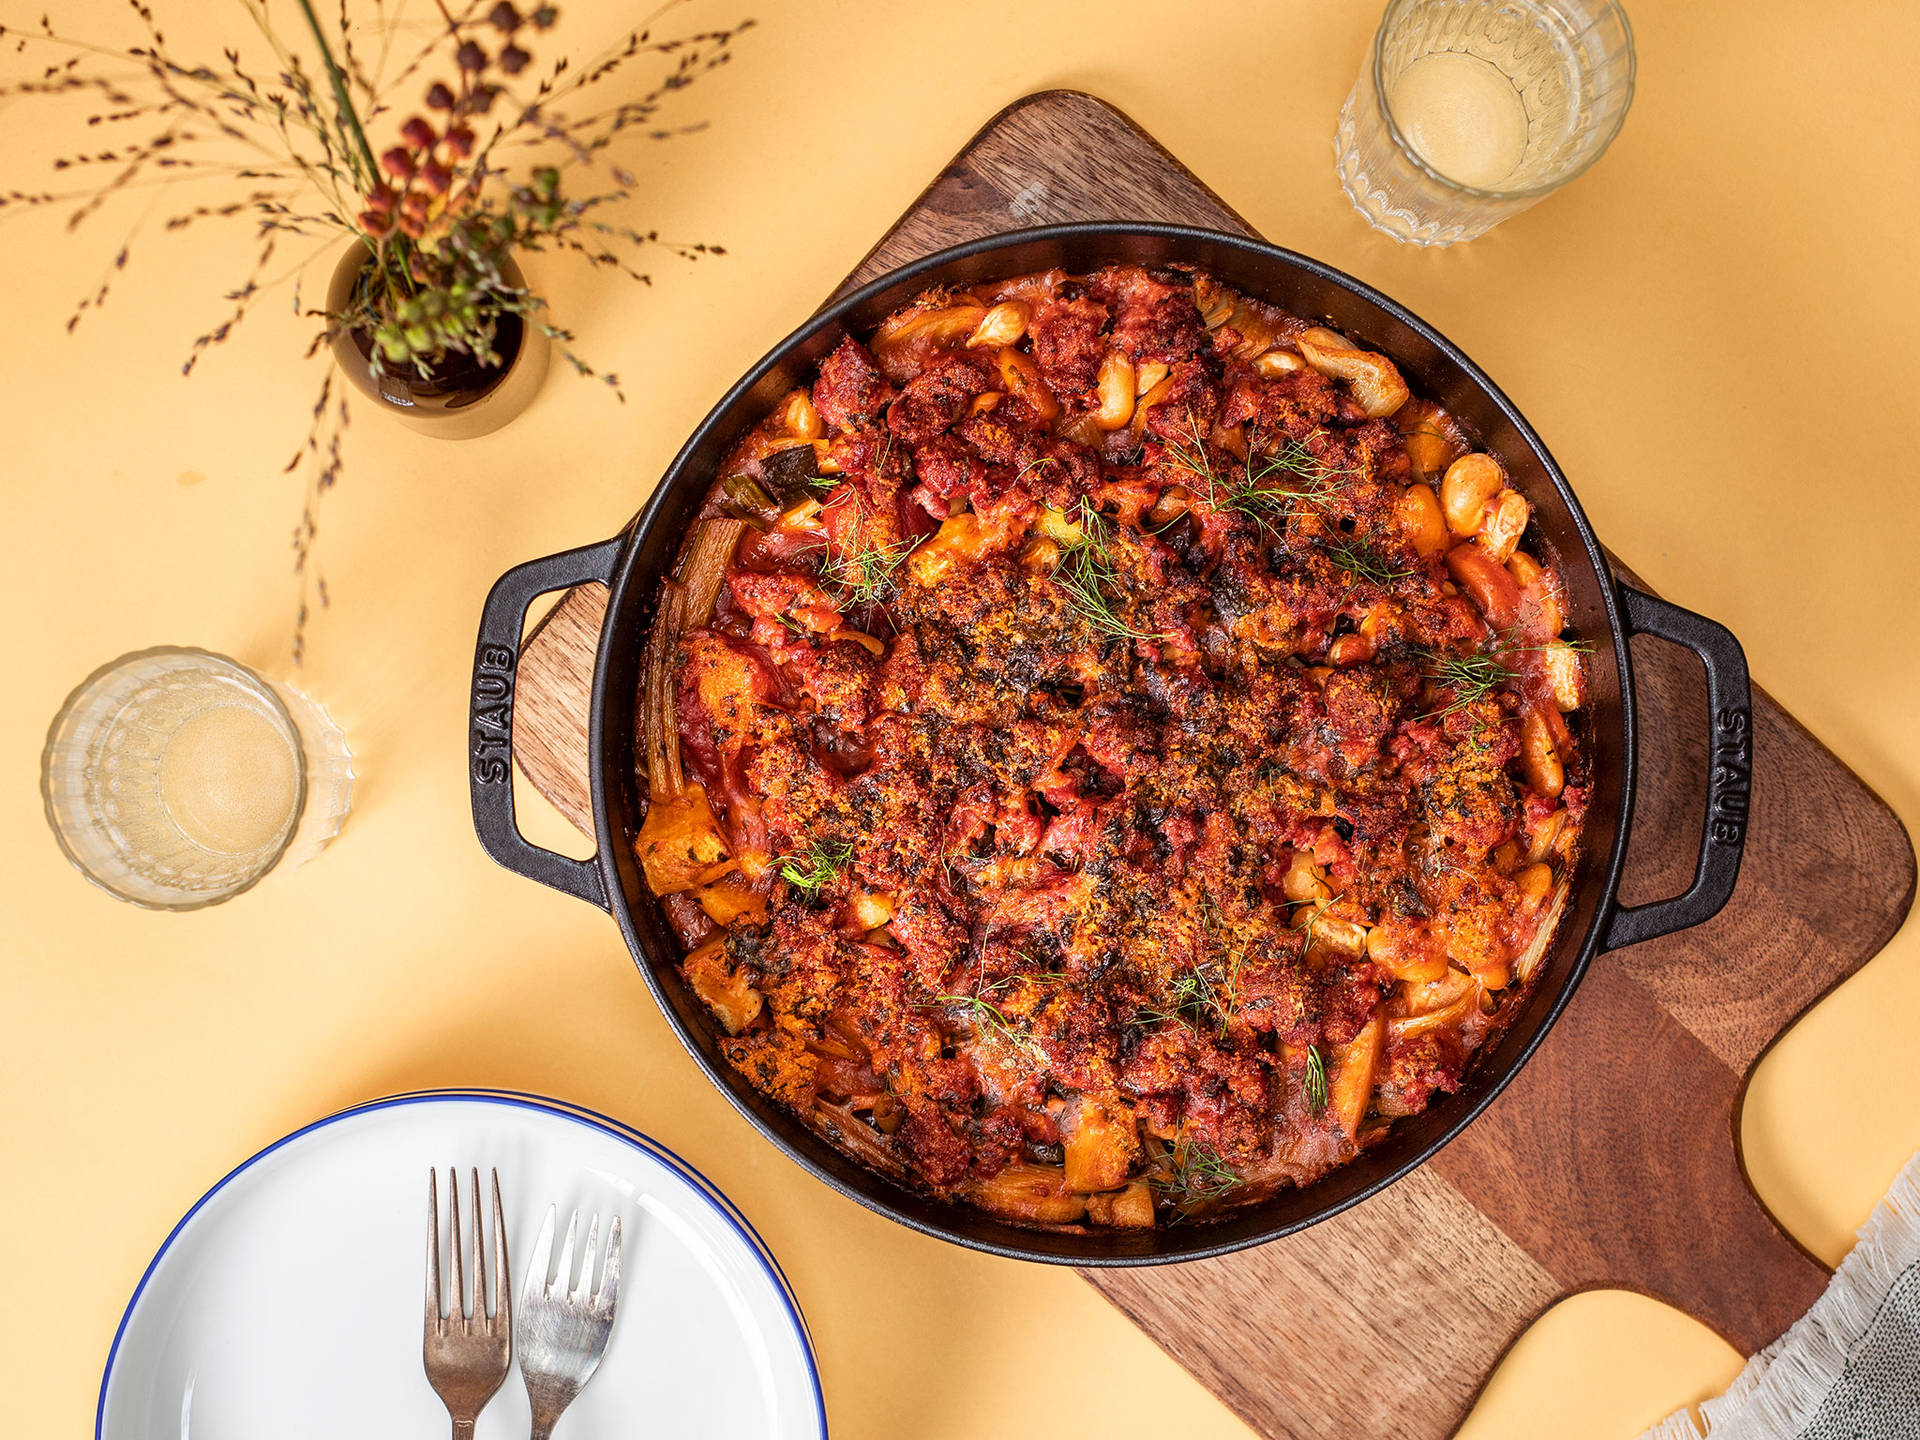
x: 439, y: 218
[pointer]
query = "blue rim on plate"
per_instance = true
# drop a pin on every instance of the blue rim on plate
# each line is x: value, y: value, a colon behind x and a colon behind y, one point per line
x: 514, y: 1099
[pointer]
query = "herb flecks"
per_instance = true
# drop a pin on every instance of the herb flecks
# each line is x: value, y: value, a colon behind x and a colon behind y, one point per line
x: 1034, y: 467
x: 1468, y: 679
x: 1274, y: 484
x: 814, y: 868
x: 983, y: 1011
x: 1360, y: 561
x: 1087, y: 575
x: 865, y: 574
x: 1321, y: 910
x: 1473, y: 677
x: 1316, y: 1084
x: 1199, y: 1175
x: 1192, y: 996
x: 1208, y: 989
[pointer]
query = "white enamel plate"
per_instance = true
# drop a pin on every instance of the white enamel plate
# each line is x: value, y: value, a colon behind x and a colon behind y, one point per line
x: 287, y: 1302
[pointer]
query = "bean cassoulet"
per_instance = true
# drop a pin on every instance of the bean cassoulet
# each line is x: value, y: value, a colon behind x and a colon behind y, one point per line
x: 1108, y: 750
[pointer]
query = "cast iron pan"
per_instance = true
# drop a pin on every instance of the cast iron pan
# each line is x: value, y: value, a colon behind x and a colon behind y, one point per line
x: 1602, y: 611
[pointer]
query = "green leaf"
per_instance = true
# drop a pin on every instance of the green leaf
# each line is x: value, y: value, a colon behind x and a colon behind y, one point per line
x: 815, y: 867
x: 1199, y: 1174
x: 1087, y: 575
x: 1316, y: 1081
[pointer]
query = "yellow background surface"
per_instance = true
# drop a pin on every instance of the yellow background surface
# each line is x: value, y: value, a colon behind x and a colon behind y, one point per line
x: 1714, y: 330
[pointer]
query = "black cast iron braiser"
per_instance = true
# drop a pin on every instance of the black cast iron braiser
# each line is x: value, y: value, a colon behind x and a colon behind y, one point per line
x: 1601, y: 610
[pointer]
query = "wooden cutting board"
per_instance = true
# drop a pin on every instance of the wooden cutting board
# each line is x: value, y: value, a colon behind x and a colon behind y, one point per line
x: 1613, y: 1159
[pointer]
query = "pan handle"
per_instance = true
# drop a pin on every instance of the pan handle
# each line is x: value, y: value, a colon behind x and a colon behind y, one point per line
x: 496, y: 658
x: 1723, y: 836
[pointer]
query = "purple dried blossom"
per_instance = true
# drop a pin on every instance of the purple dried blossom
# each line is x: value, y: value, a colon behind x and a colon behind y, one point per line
x: 433, y: 185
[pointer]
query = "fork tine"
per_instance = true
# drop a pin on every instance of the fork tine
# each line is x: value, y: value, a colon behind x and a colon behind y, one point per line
x: 479, y: 1256
x: 585, y: 1287
x: 433, y: 1250
x: 609, y: 1293
x: 536, y: 1281
x: 457, y: 1307
x: 502, y: 1286
x: 565, y: 1271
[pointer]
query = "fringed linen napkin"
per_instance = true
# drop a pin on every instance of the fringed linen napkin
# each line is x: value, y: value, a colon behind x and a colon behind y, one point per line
x: 1849, y: 1369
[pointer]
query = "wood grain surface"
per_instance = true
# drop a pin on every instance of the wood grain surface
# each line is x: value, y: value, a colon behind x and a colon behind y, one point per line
x: 1613, y: 1159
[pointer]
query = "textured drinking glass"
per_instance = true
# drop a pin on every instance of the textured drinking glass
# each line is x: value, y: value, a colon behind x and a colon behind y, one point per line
x: 177, y: 778
x: 1468, y: 111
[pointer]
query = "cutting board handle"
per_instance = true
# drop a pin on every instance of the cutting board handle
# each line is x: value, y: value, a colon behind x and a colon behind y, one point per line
x: 496, y: 661
x: 1723, y: 836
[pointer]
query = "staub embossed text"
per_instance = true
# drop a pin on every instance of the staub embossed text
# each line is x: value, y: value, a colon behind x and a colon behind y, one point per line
x: 1731, y: 783
x: 492, y: 713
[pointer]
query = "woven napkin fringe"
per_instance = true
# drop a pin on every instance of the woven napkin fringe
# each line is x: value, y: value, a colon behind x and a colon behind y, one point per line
x: 1777, y: 1395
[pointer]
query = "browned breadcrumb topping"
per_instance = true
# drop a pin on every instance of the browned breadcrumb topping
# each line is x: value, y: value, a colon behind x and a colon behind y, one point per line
x: 1126, y: 761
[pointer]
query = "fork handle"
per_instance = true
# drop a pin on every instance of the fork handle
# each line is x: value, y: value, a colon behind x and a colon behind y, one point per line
x: 548, y: 1407
x: 463, y: 1430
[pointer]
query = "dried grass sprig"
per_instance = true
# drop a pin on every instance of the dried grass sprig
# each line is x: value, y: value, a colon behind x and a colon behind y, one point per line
x: 299, y: 131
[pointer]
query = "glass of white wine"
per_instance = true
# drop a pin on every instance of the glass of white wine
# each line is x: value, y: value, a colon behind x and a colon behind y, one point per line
x: 177, y: 778
x: 1469, y: 111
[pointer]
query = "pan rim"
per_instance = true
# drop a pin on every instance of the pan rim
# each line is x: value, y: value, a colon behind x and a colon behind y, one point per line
x: 879, y: 1194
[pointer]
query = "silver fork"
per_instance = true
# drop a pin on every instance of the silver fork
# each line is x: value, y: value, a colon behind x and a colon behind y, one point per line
x: 563, y: 1333
x: 467, y: 1354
